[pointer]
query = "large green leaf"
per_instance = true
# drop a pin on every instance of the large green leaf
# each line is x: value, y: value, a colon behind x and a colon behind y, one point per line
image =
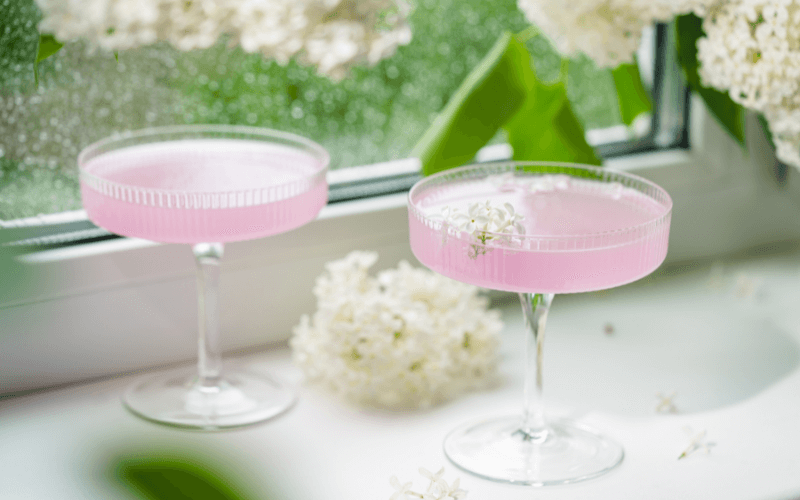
x: 48, y: 45
x: 488, y: 97
x: 167, y: 478
x: 632, y: 96
x: 729, y: 114
x: 546, y: 128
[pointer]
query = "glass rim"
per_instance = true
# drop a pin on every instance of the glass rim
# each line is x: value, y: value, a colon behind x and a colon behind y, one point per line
x: 512, y: 166
x: 188, y: 132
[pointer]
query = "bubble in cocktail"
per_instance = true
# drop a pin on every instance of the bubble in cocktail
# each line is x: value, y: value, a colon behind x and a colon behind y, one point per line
x: 205, y: 185
x: 537, y: 229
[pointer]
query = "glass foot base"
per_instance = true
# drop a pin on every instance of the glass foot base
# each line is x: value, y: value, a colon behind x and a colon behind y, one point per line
x: 241, y: 398
x: 498, y: 450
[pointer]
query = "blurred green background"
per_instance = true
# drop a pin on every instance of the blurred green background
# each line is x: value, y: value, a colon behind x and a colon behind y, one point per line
x: 377, y: 114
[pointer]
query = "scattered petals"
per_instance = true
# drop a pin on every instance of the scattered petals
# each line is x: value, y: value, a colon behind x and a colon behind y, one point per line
x: 438, y: 489
x: 697, y: 443
x: 666, y: 403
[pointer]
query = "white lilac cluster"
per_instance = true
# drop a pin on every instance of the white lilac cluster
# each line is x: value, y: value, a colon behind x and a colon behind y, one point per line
x: 406, y: 338
x: 608, y: 31
x: 752, y: 51
x: 485, y: 221
x: 332, y: 35
x: 438, y: 489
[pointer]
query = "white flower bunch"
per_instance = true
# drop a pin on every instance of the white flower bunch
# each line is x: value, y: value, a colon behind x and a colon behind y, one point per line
x: 752, y: 51
x: 438, y: 489
x: 608, y: 31
x: 406, y: 338
x: 332, y: 35
x: 482, y: 219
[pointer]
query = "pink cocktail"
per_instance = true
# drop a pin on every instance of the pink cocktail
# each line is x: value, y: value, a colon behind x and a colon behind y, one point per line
x: 201, y: 190
x: 205, y: 185
x: 577, y: 229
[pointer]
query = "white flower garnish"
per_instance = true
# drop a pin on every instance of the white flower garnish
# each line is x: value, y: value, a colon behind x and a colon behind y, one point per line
x: 483, y: 218
x: 406, y: 338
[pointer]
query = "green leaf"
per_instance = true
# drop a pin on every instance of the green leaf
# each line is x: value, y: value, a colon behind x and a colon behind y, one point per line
x: 48, y: 45
x: 488, y: 97
x: 729, y: 114
x: 546, y: 128
x: 155, y: 478
x: 632, y: 96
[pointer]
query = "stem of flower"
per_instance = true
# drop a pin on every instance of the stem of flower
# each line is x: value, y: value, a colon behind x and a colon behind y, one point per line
x: 563, y: 73
x: 528, y: 33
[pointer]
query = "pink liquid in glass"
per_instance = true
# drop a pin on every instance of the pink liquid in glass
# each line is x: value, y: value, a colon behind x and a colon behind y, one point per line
x: 584, y: 235
x: 203, y: 190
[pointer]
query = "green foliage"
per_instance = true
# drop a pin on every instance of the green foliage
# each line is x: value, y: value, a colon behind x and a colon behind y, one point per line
x: 546, y: 129
x: 730, y: 115
x: 633, y: 98
x: 173, y: 478
x: 48, y: 45
x: 490, y: 95
x: 503, y: 91
x: 376, y: 113
x: 18, y: 44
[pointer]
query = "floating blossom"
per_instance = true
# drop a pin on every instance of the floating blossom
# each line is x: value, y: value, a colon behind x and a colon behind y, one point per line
x: 406, y: 338
x: 481, y: 219
x: 438, y: 489
x: 608, y: 31
x: 332, y: 35
x: 484, y: 222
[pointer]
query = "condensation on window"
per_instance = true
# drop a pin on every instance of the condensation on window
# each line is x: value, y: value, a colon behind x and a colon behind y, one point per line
x: 375, y: 115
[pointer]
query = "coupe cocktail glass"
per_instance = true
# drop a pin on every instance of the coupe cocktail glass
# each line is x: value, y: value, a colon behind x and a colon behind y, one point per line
x: 205, y: 185
x: 585, y: 229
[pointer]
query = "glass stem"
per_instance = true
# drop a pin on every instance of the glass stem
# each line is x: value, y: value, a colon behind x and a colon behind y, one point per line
x: 209, y: 357
x: 535, y: 307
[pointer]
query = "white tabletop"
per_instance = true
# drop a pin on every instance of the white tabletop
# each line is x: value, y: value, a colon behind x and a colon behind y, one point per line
x: 725, y: 338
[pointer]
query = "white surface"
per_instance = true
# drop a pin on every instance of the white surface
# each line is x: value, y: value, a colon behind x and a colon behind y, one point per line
x: 726, y: 338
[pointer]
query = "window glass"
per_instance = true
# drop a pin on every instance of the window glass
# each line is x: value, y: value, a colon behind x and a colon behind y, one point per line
x: 375, y: 115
